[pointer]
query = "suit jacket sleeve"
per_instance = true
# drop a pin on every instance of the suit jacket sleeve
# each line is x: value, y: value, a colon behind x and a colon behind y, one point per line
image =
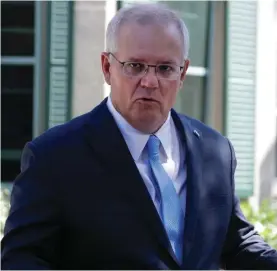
x: 244, y: 248
x: 32, y: 230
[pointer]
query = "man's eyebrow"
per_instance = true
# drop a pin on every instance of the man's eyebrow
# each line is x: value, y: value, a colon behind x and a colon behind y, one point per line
x: 142, y: 60
x: 135, y: 59
x: 167, y: 62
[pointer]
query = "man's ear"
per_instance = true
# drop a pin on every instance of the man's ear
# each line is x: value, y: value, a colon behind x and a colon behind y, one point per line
x: 105, y: 63
x: 183, y: 74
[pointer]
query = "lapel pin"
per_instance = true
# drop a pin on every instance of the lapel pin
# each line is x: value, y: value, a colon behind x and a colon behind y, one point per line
x: 196, y: 133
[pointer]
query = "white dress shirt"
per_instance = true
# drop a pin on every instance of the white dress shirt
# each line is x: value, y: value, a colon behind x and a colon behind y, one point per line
x: 171, y: 153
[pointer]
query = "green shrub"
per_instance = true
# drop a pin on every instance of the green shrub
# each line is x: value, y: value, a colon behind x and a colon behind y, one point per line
x: 264, y: 220
x: 4, y: 207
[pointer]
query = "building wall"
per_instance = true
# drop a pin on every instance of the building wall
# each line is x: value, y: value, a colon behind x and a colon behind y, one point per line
x: 40, y: 73
x: 217, y: 72
x: 89, y: 33
x: 266, y: 82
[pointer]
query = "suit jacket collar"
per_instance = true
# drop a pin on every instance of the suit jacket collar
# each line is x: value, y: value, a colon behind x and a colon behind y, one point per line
x: 104, y: 137
x: 193, y: 141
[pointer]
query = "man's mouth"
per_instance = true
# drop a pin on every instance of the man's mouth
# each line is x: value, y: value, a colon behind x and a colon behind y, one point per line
x: 147, y: 100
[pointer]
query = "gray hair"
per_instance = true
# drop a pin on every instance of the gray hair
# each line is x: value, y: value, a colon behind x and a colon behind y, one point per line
x: 145, y: 13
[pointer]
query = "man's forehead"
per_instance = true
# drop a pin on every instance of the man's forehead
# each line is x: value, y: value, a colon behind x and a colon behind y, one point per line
x: 155, y: 42
x: 151, y: 58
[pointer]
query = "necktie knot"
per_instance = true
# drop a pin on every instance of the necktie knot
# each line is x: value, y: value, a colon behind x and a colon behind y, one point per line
x: 153, y: 146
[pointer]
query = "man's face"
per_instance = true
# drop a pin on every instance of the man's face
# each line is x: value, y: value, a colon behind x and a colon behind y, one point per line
x: 145, y: 101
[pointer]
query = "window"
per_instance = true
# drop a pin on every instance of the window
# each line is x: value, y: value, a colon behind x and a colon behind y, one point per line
x: 17, y: 73
x: 191, y: 99
x: 17, y: 28
x: 195, y: 15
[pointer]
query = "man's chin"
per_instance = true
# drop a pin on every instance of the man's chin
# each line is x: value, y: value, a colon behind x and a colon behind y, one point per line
x: 147, y: 122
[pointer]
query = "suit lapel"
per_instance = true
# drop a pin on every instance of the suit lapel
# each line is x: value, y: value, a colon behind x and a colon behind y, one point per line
x: 193, y: 149
x: 108, y: 144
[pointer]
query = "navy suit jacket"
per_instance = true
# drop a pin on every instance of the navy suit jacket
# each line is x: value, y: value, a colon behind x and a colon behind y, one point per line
x: 80, y: 203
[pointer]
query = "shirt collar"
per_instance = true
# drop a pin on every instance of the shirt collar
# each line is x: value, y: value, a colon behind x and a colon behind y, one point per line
x: 164, y: 134
x: 137, y: 140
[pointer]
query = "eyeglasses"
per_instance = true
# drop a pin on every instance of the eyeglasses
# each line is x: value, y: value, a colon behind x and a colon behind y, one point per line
x: 163, y: 71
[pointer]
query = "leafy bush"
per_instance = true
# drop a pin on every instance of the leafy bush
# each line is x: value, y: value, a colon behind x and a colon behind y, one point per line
x: 4, y: 207
x: 264, y: 220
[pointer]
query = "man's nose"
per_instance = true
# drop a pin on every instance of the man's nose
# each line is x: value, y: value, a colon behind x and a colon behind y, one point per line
x: 150, y: 80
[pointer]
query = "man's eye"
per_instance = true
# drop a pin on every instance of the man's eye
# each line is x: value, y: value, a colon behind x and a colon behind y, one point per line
x: 135, y: 65
x: 165, y: 68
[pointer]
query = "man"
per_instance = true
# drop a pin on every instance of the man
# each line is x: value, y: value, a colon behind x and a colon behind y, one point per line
x: 132, y: 184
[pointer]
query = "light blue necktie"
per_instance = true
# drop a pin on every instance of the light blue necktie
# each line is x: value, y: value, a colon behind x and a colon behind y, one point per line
x: 171, y: 212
